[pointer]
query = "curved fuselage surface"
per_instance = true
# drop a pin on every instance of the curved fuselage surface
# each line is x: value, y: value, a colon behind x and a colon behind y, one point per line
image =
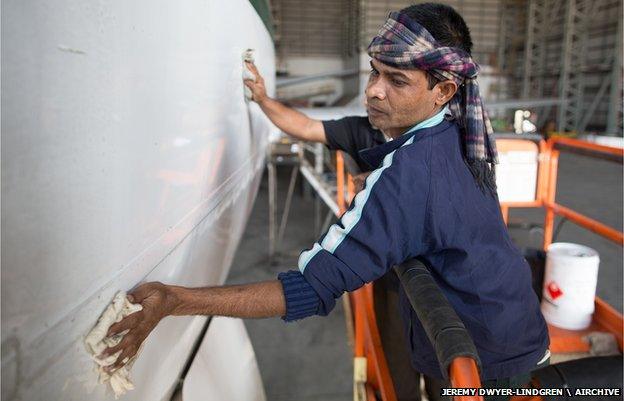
x: 128, y: 154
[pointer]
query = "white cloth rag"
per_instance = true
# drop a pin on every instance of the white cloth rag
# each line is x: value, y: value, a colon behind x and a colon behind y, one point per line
x: 96, y: 342
x: 248, y: 55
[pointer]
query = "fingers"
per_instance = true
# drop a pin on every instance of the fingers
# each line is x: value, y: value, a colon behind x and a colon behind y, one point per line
x: 254, y: 70
x: 127, y: 340
x: 122, y: 359
x: 252, y: 67
x: 128, y: 346
x: 127, y: 323
x: 143, y: 291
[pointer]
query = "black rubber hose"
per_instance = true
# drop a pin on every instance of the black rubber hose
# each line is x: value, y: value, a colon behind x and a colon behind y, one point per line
x: 445, y: 330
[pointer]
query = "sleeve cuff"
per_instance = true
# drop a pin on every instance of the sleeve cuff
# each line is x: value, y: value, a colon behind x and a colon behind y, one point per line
x: 301, y: 299
x: 328, y: 127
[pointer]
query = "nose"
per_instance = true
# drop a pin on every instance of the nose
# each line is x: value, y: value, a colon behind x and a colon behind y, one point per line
x: 375, y: 89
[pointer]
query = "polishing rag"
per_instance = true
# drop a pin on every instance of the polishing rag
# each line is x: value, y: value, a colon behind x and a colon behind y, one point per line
x: 97, y: 341
x: 249, y: 57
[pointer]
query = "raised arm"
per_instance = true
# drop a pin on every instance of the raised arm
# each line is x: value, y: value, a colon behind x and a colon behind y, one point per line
x: 291, y: 121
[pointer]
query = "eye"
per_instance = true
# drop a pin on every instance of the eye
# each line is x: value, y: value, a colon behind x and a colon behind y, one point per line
x: 374, y: 72
x: 397, y: 82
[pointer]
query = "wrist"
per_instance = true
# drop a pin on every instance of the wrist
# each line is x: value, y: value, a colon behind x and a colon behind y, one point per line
x: 173, y: 299
x: 262, y: 99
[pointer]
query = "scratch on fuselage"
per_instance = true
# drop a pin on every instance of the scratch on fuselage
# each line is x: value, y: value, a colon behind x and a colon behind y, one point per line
x: 68, y: 49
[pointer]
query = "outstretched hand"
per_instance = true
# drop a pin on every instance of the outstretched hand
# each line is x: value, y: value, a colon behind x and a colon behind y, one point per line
x: 258, y: 89
x: 158, y: 302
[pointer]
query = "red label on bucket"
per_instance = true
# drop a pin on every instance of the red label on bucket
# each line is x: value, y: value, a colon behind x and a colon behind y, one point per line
x: 554, y: 290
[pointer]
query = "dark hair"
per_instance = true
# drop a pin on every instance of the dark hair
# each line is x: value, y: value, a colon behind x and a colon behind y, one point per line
x: 448, y: 28
x: 444, y: 24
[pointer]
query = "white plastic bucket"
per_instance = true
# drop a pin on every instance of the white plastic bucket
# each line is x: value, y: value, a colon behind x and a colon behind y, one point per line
x: 570, y: 285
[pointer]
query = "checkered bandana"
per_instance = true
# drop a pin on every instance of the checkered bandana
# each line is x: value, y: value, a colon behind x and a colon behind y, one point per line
x: 404, y: 43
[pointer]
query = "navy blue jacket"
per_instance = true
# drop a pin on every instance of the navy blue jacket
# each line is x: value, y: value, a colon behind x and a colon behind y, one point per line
x: 422, y: 201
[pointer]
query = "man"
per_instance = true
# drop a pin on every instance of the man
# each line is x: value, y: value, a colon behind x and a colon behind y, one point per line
x: 352, y: 135
x: 432, y: 196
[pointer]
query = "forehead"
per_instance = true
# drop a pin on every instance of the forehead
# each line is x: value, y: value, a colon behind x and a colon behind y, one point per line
x: 411, y: 73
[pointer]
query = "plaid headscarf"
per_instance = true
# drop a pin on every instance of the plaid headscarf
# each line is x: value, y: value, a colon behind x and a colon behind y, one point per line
x: 404, y: 43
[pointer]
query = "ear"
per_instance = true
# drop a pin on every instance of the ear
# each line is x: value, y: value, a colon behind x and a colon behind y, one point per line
x: 446, y: 91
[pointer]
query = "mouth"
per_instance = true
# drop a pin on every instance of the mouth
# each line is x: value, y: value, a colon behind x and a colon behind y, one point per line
x: 375, y: 111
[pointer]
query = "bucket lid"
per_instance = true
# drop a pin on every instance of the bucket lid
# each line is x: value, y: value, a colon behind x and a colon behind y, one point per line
x: 568, y: 249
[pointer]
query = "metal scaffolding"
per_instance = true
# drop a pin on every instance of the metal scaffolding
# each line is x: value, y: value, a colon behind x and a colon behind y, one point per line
x: 614, y: 119
x: 512, y: 26
x: 573, y: 62
x: 539, y: 49
x: 535, y: 49
x: 573, y: 51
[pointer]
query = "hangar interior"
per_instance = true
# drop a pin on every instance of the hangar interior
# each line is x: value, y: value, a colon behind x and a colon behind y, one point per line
x: 560, y: 60
x: 142, y: 156
x: 527, y: 49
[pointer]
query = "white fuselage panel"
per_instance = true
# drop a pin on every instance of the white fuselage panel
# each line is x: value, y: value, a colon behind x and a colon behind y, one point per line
x: 128, y: 154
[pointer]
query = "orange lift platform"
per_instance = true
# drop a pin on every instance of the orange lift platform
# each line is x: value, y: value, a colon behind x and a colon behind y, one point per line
x: 372, y: 380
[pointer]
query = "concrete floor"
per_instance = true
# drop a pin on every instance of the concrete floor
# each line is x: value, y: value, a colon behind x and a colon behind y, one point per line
x: 304, y: 360
x: 311, y: 360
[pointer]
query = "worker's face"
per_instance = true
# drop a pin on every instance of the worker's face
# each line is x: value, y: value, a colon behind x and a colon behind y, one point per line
x: 397, y: 99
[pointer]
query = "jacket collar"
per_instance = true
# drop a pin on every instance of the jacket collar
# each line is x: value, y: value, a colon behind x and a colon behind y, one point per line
x: 374, y: 156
